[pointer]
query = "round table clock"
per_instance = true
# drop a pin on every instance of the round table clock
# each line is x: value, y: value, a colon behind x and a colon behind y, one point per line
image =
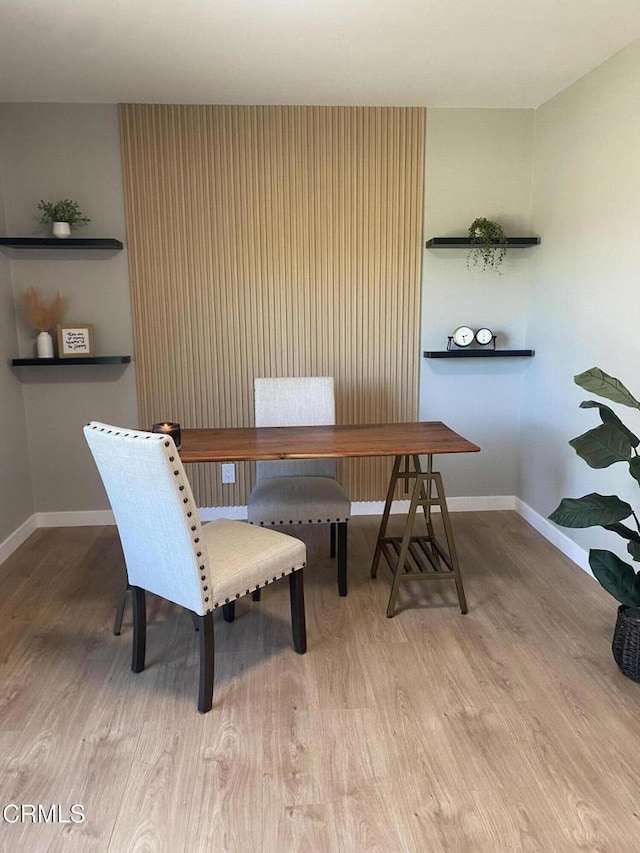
x: 462, y: 336
x: 484, y: 337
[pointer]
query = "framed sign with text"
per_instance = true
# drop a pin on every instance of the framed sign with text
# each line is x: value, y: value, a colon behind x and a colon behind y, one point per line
x: 75, y: 341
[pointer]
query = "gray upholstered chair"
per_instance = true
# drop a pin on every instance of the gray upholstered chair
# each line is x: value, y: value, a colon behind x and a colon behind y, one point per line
x: 169, y: 553
x: 303, y: 491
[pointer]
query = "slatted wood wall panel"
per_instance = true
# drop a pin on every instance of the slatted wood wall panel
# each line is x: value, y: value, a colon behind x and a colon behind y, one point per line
x: 274, y: 241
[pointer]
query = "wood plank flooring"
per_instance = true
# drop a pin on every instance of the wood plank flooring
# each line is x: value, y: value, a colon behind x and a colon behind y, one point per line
x: 509, y: 729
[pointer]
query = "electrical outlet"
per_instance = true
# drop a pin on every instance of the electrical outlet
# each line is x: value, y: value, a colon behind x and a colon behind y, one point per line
x: 228, y: 472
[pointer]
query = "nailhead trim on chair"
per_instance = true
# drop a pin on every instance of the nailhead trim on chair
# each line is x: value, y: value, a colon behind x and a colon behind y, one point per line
x: 188, y: 513
x: 196, y: 539
x: 259, y: 585
x: 310, y: 521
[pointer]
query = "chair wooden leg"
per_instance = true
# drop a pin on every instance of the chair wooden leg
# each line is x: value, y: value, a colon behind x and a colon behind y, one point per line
x: 255, y: 595
x: 117, y: 622
x: 342, y: 558
x: 205, y: 692
x: 229, y: 611
x: 298, y: 623
x: 333, y: 539
x: 138, y: 602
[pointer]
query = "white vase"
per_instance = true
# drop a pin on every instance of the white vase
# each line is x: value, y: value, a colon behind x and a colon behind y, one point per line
x: 44, y: 345
x: 61, y: 229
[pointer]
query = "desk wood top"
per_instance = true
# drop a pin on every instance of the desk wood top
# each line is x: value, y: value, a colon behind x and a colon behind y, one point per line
x: 317, y: 442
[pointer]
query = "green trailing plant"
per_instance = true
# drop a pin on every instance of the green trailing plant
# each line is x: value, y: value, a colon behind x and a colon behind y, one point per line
x: 62, y: 211
x: 605, y: 445
x: 488, y: 245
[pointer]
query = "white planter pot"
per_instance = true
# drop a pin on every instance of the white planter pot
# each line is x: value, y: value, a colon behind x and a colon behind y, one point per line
x: 61, y: 229
x: 44, y: 345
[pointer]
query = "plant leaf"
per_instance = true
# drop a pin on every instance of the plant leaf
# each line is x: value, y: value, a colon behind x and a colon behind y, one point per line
x: 616, y: 576
x: 602, y: 446
x: 609, y: 417
x: 624, y: 531
x: 634, y: 549
x: 634, y: 468
x: 600, y: 383
x: 591, y: 510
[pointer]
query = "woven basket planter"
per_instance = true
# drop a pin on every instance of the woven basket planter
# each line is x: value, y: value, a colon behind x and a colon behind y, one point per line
x: 626, y: 641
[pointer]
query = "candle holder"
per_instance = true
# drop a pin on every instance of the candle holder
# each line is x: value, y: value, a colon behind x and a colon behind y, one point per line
x: 169, y: 428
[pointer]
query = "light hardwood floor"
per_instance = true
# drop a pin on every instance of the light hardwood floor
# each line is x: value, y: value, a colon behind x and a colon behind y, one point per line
x: 509, y: 729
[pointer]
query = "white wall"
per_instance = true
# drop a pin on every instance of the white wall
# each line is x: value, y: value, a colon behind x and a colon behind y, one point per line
x: 585, y: 295
x: 478, y: 163
x: 16, y: 497
x: 55, y: 151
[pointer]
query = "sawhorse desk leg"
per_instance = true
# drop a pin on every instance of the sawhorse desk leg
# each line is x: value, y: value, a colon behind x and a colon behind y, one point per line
x: 418, y: 557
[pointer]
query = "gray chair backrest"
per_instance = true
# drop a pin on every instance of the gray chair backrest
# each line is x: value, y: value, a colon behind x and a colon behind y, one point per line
x: 295, y: 401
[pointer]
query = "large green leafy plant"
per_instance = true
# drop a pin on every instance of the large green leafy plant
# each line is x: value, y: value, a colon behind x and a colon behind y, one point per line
x: 605, y: 445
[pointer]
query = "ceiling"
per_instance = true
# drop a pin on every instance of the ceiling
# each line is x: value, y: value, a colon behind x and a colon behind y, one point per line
x: 434, y: 53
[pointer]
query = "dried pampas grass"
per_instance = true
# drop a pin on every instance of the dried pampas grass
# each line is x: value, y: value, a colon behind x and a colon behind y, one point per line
x: 39, y: 315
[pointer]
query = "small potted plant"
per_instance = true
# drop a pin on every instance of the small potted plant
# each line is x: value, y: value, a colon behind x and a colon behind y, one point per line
x: 606, y: 444
x: 64, y: 215
x: 488, y: 245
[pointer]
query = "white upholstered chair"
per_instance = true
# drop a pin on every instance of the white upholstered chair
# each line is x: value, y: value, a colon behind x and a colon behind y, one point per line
x: 301, y: 491
x: 170, y: 553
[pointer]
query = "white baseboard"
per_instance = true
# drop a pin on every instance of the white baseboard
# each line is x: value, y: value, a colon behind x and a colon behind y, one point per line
x: 472, y: 504
x: 460, y: 504
x: 89, y: 518
x: 15, y: 539
x: 550, y: 532
x: 209, y: 513
x: 478, y: 504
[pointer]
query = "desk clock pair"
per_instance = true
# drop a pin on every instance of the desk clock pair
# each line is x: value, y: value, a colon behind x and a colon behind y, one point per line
x: 463, y: 336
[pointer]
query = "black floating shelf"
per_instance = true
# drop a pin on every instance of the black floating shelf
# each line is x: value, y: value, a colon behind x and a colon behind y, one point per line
x: 479, y: 353
x: 465, y: 242
x: 66, y: 362
x: 61, y: 243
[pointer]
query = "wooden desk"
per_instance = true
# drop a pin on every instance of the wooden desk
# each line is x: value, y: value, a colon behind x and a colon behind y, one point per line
x: 410, y: 557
